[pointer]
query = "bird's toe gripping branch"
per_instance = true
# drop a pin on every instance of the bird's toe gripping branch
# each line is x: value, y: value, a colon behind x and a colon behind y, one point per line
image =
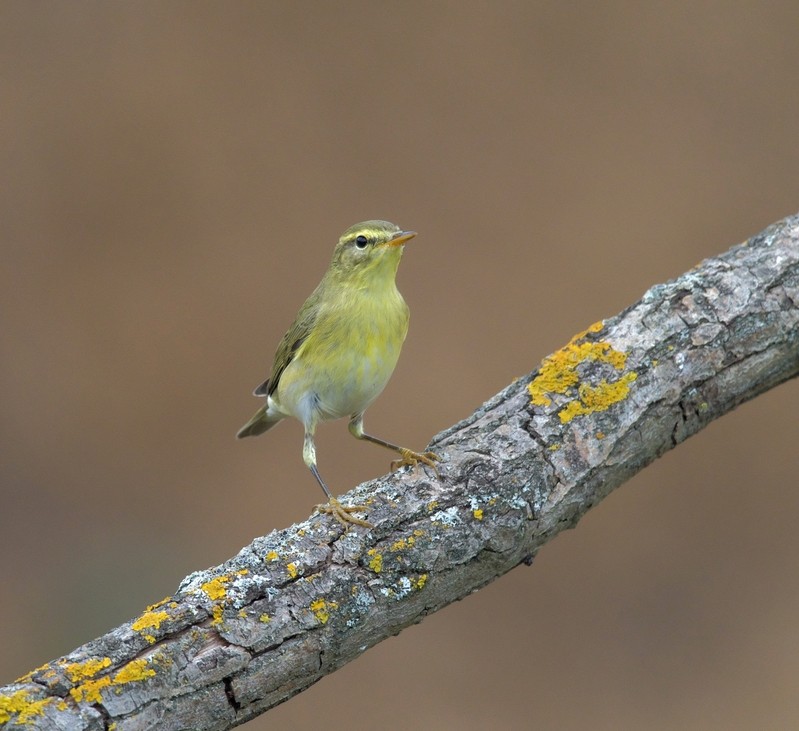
x: 344, y: 513
x: 411, y: 458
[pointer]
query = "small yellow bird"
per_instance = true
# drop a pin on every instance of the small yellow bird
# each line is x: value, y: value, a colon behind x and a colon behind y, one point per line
x: 342, y: 348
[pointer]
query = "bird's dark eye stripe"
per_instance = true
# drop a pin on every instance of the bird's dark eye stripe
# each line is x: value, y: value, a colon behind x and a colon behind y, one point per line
x: 361, y: 241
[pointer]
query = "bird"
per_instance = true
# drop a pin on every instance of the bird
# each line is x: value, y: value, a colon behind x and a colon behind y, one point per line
x: 340, y: 351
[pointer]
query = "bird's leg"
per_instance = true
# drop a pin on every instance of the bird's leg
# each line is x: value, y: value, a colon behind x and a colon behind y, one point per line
x: 409, y: 457
x: 342, y: 513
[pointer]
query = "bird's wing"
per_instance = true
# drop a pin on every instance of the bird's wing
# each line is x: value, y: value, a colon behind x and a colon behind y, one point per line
x: 292, y: 340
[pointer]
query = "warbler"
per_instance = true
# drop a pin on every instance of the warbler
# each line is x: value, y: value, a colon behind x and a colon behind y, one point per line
x: 339, y: 353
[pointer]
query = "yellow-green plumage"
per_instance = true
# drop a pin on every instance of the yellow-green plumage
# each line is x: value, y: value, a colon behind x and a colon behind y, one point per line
x: 343, y: 346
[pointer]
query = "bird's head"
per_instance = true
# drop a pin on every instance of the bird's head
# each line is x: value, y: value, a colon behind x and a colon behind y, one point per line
x: 369, y: 251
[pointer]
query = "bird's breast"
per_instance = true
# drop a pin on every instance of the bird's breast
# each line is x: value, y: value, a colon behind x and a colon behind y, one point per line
x: 348, y: 358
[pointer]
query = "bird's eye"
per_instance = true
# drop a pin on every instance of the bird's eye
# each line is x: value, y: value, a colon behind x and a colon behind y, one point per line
x: 361, y: 241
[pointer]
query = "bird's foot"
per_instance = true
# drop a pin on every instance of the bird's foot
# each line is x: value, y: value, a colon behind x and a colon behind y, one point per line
x: 411, y: 458
x: 343, y: 513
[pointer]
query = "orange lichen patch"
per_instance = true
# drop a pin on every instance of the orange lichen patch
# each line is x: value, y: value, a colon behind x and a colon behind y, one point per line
x: 559, y: 375
x: 322, y: 608
x: 21, y: 705
x: 215, y: 589
x: 375, y: 561
x: 80, y: 671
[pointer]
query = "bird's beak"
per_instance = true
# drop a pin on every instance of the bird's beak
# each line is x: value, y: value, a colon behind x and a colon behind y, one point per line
x: 400, y: 238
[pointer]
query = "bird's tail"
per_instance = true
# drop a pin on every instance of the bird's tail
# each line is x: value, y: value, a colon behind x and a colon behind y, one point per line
x: 259, y: 423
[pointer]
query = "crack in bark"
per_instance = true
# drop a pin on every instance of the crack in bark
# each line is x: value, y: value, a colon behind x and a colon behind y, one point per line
x: 230, y: 694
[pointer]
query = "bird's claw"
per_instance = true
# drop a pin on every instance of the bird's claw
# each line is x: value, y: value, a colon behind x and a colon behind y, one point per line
x: 343, y: 513
x: 411, y: 458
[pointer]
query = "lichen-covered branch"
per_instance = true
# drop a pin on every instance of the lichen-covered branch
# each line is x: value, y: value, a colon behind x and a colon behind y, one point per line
x: 295, y: 605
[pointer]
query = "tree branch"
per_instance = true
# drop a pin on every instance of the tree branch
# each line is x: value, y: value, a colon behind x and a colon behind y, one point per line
x: 292, y: 606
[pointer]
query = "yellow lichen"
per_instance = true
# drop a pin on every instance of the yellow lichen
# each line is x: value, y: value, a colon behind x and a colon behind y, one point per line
x: 421, y: 581
x: 134, y: 671
x: 376, y: 560
x: 21, y: 705
x: 478, y: 514
x: 559, y: 375
x: 48, y: 672
x: 322, y: 608
x: 79, y: 671
x: 402, y: 544
x: 215, y: 589
x: 243, y: 572
x: 90, y: 690
x: 292, y: 569
x: 160, y: 604
x: 264, y: 618
x: 432, y: 505
x: 150, y: 619
x: 271, y: 556
x: 597, y: 398
x: 216, y: 613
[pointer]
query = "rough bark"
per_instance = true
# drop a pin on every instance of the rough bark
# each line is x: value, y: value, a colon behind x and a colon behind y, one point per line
x: 295, y: 605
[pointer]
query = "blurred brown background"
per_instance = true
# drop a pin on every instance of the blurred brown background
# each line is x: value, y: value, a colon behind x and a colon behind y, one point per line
x: 174, y: 177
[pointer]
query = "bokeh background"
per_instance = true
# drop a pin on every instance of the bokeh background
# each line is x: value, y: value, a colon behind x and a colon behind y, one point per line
x: 174, y: 176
